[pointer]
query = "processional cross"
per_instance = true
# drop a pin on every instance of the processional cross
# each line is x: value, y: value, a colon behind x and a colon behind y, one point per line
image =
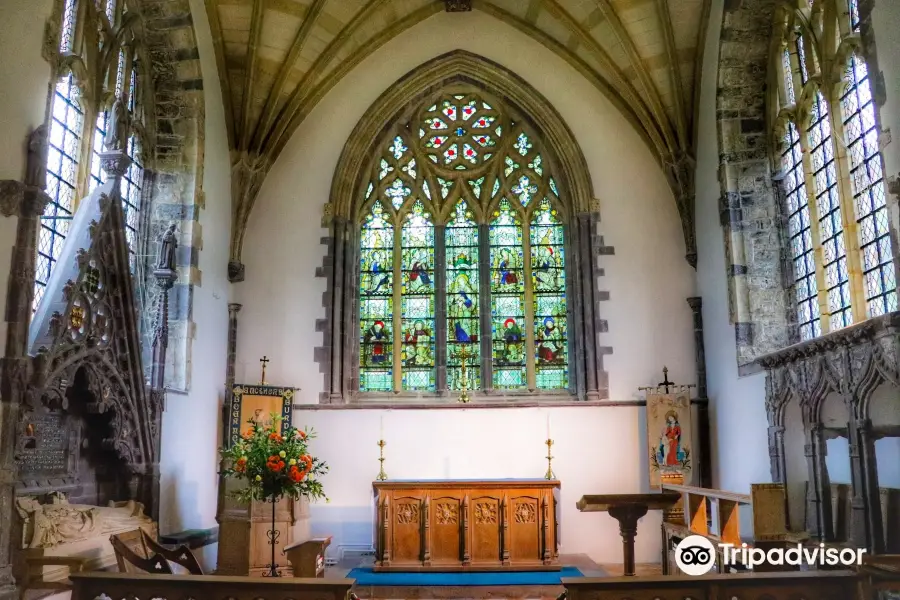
x: 264, y: 360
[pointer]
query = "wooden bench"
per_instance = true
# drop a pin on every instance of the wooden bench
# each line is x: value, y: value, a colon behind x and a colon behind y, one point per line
x: 89, y: 586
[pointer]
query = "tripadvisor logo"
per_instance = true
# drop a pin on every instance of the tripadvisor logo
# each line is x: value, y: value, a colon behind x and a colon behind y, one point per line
x: 696, y: 555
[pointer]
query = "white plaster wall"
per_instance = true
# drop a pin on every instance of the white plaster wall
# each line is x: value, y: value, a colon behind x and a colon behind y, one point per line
x: 24, y: 77
x: 738, y: 426
x: 596, y: 451
x: 648, y: 278
x: 191, y: 430
x: 885, y: 17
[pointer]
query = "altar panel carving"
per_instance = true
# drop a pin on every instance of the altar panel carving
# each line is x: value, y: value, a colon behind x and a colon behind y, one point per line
x: 446, y: 529
x: 480, y: 525
x: 407, y: 530
x: 525, y: 528
x: 486, y: 530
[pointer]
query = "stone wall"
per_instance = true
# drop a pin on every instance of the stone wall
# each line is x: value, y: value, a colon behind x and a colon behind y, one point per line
x: 749, y: 207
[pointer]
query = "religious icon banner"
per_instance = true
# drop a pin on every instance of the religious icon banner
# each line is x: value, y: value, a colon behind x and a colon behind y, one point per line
x: 669, y: 438
x: 258, y: 403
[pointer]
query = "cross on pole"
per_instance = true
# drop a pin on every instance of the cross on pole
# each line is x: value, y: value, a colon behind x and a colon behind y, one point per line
x: 264, y: 360
x: 665, y: 382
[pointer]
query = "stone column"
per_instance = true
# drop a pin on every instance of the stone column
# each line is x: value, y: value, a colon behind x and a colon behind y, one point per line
x: 339, y: 240
x: 26, y: 200
x: 819, y: 521
x: 696, y: 304
x: 575, y: 312
x: 873, y: 531
x: 586, y: 228
x: 231, y: 357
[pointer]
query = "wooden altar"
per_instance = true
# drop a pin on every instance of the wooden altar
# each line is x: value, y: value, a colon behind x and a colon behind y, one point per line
x: 466, y: 525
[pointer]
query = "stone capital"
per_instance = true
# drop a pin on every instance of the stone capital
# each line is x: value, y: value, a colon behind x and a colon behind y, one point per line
x: 234, y: 308
x: 114, y: 163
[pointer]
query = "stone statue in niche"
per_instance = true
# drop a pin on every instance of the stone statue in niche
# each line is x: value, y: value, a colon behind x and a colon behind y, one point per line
x: 58, y: 522
x: 36, y: 165
x: 167, y: 246
x: 116, y: 127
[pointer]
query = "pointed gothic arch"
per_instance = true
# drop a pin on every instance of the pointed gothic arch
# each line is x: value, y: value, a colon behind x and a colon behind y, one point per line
x: 563, y: 185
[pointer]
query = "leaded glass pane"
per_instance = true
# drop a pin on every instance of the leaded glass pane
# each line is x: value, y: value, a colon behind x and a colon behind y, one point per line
x: 788, y: 74
x: 867, y: 184
x: 62, y: 160
x: 463, y: 323
x: 548, y: 280
x: 800, y: 237
x: 507, y: 298
x: 460, y: 132
x: 376, y: 304
x: 417, y: 274
x: 801, y: 59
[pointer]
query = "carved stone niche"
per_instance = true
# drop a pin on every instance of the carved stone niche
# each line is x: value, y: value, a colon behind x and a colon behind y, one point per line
x: 858, y: 366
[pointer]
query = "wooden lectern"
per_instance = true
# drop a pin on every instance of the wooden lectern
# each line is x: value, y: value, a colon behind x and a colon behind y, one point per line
x: 627, y: 509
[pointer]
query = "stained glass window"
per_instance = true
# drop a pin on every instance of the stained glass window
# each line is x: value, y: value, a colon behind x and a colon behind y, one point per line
x: 463, y: 321
x: 66, y: 121
x: 417, y: 304
x: 788, y: 74
x: 828, y: 207
x: 800, y: 236
x: 132, y: 181
x: 867, y: 184
x: 853, y: 9
x: 469, y: 191
x: 548, y: 279
x: 801, y: 59
x: 507, y: 298
x: 376, y: 303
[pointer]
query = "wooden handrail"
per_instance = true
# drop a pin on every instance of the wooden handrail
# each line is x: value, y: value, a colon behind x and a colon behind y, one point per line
x: 709, y: 493
x: 88, y: 586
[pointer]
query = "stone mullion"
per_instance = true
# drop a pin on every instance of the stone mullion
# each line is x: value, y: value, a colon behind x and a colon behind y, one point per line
x: 575, y: 315
x: 815, y: 234
x: 874, y: 529
x: 440, y: 309
x: 848, y: 210
x: 397, y: 317
x: 530, y: 376
x: 350, y: 324
x: 338, y: 288
x: 589, y: 319
x: 484, y: 306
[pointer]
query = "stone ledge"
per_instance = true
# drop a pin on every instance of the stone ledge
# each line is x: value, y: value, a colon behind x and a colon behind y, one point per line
x: 193, y: 538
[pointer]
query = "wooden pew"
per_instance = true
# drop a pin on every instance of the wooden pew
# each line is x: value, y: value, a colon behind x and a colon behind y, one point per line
x: 89, y: 586
x: 820, y: 585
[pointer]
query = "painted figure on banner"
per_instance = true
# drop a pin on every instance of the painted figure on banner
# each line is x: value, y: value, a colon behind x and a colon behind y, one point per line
x: 550, y: 343
x: 670, y: 452
x: 261, y: 418
x: 669, y: 436
x: 417, y: 340
x: 376, y: 338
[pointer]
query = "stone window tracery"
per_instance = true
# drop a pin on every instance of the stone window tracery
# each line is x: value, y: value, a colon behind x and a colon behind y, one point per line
x: 97, y: 64
x: 462, y: 255
x: 833, y: 186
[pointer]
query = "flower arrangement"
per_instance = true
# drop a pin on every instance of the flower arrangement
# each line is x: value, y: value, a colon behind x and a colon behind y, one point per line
x: 274, y: 464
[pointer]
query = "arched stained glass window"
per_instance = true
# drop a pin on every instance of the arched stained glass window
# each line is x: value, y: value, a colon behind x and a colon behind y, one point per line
x: 467, y: 218
x: 463, y: 299
x: 376, y: 304
x: 549, y: 284
x: 508, y: 298
x: 417, y: 300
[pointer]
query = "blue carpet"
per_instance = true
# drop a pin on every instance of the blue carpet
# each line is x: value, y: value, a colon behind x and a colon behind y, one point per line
x: 365, y: 576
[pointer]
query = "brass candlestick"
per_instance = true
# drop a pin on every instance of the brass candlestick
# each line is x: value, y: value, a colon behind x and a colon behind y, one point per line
x: 382, y: 476
x: 463, y: 378
x: 549, y: 474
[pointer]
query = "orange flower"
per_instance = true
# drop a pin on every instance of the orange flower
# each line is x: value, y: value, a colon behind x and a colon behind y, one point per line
x: 248, y: 434
x: 275, y: 436
x: 275, y: 463
x: 296, y: 475
x: 241, y: 464
x: 301, y: 434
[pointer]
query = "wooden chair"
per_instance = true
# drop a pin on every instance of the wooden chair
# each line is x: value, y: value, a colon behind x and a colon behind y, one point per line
x: 133, y: 556
x: 180, y: 555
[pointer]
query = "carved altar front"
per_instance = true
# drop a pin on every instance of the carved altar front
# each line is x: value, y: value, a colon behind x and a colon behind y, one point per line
x: 466, y: 525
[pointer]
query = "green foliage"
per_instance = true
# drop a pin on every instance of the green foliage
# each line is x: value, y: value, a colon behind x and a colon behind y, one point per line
x: 274, y: 464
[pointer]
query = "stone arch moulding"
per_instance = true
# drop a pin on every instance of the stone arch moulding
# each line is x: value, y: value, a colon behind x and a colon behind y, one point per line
x: 338, y: 355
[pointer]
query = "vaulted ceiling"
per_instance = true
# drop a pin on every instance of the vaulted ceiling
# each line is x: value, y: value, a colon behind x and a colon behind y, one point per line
x: 278, y: 58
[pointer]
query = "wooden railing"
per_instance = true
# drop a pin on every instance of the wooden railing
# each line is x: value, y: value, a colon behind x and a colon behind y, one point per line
x: 880, y: 576
x: 814, y: 585
x: 119, y: 586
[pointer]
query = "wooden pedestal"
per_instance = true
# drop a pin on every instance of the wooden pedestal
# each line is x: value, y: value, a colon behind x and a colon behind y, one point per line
x: 466, y: 525
x: 244, y: 542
